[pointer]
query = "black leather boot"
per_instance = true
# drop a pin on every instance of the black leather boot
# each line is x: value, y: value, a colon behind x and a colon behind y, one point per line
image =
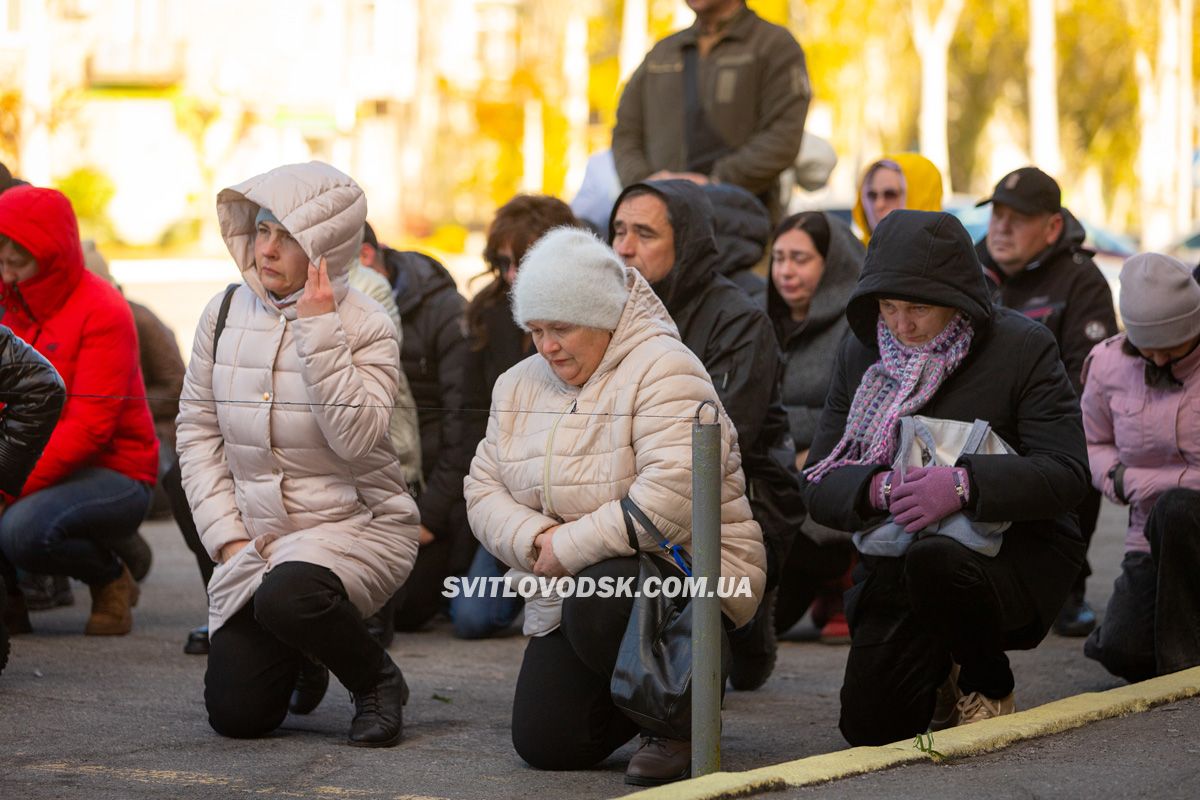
x: 197, y: 641
x: 311, y: 683
x: 379, y: 711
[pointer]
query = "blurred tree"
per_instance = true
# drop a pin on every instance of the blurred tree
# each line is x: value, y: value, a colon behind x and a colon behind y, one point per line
x: 991, y: 33
x: 90, y: 191
x: 933, y: 25
x: 1043, y: 86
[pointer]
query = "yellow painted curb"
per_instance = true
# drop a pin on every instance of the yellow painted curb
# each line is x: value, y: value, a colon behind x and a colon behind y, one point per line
x: 969, y: 740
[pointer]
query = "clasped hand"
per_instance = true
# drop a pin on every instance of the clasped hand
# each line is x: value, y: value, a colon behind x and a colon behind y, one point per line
x: 928, y: 495
x: 546, y: 563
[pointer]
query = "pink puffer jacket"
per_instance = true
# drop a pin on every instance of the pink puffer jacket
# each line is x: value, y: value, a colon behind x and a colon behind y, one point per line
x: 1154, y: 432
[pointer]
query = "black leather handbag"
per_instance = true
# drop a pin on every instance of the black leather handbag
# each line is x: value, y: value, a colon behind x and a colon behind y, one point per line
x: 652, y: 681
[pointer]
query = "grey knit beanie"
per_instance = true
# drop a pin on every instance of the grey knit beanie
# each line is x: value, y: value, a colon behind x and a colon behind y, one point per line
x: 570, y: 276
x: 1160, y: 302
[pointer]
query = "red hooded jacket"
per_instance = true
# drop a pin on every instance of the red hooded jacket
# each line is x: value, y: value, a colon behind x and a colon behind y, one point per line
x: 85, y: 329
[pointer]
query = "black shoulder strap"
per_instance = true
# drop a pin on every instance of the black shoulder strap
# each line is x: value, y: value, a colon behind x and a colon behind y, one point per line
x: 223, y: 314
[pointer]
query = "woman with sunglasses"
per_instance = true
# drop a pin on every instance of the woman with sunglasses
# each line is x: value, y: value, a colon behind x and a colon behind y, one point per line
x: 495, y: 343
x: 905, y: 180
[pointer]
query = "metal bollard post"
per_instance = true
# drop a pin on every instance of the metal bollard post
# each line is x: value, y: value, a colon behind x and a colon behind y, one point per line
x: 706, y: 610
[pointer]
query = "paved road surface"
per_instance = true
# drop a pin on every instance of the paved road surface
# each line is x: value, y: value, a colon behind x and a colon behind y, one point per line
x: 103, y: 718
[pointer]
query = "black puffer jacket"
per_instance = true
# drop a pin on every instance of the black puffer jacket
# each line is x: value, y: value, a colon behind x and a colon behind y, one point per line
x: 810, y: 348
x: 743, y: 229
x: 1064, y: 290
x: 734, y: 340
x: 433, y: 355
x: 33, y: 395
x: 1012, y: 378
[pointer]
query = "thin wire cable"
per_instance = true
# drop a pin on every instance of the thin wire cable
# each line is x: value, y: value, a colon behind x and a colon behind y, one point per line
x: 305, y: 404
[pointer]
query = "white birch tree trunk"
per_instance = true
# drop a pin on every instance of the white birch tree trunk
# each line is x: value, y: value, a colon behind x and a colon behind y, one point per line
x: 635, y: 38
x: 931, y: 36
x: 1043, y: 87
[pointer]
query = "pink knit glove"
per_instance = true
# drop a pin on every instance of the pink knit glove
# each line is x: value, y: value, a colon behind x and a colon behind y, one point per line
x: 880, y: 499
x: 929, y: 495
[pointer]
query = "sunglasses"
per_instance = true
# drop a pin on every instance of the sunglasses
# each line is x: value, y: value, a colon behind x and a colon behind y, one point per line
x: 886, y: 194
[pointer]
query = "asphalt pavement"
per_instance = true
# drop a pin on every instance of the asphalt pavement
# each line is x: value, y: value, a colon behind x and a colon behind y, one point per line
x: 1153, y: 754
x: 99, y: 718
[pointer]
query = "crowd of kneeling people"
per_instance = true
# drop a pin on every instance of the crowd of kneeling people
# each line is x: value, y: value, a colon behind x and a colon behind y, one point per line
x: 910, y: 452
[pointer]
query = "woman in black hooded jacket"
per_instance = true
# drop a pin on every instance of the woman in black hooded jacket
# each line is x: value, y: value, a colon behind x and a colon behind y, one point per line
x: 930, y: 627
x: 815, y: 263
x: 32, y: 394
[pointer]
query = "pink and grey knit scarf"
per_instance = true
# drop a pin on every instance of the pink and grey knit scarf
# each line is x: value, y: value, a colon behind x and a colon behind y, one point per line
x: 899, y: 383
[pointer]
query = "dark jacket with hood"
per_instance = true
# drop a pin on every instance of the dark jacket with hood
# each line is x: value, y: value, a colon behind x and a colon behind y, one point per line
x: 32, y: 395
x: 1012, y: 377
x: 1064, y: 290
x: 810, y: 348
x: 433, y: 355
x: 743, y: 229
x: 734, y: 340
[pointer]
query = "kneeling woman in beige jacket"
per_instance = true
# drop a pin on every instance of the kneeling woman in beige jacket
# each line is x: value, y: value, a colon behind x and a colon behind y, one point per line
x: 602, y: 411
x: 293, y: 482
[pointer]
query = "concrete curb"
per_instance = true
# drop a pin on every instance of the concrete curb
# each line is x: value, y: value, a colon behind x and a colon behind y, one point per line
x: 970, y: 740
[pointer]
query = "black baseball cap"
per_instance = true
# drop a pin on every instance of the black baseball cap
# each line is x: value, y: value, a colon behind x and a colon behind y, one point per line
x: 1028, y: 190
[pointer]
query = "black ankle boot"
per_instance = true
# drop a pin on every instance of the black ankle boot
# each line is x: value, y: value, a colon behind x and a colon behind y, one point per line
x: 379, y: 711
x: 311, y: 683
x: 197, y: 641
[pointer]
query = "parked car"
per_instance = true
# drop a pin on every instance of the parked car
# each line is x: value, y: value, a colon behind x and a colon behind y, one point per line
x: 1187, y: 249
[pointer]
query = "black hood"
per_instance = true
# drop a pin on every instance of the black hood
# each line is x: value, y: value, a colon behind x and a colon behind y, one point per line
x: 696, y: 258
x: 919, y: 256
x: 843, y: 264
x: 417, y: 277
x: 741, y: 224
x: 1069, y: 242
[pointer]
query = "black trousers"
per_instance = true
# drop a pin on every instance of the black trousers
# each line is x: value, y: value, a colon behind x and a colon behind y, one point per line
x: 1089, y: 514
x: 910, y: 616
x: 1152, y: 625
x: 563, y: 715
x: 809, y: 566
x: 421, y: 596
x: 301, y: 610
x: 172, y: 484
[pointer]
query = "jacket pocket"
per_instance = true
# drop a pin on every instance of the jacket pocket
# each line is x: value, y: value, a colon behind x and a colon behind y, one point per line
x: 234, y: 582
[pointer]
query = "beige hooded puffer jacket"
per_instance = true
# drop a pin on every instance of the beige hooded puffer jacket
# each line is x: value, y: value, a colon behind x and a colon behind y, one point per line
x: 627, y: 431
x: 318, y: 483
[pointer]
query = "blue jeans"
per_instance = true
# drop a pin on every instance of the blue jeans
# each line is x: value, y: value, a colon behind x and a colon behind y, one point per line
x: 68, y: 528
x: 482, y: 617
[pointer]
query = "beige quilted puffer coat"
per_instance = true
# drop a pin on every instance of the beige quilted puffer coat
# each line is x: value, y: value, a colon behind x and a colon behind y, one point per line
x: 294, y: 453
x: 628, y: 430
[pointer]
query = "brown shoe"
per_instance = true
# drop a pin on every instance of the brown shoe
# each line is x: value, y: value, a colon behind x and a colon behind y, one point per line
x: 112, y: 606
x: 945, y: 711
x: 975, y: 707
x: 658, y: 761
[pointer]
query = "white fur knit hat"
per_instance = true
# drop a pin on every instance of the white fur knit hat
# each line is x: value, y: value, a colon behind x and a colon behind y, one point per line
x: 570, y: 276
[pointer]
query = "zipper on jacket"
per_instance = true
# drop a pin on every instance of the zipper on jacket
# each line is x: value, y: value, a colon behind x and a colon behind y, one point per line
x: 549, y: 453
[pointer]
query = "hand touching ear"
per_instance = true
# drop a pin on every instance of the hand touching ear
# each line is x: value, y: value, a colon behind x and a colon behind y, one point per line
x: 318, y: 293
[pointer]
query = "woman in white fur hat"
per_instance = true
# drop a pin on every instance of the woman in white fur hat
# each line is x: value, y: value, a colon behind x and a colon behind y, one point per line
x: 292, y: 479
x: 601, y: 412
